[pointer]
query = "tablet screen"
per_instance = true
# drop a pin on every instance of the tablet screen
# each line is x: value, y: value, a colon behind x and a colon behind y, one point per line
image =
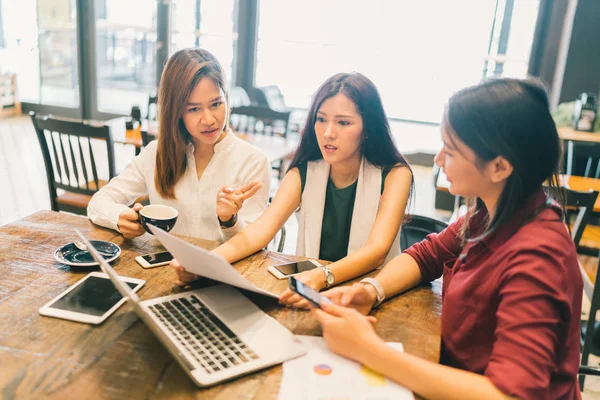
x: 93, y: 296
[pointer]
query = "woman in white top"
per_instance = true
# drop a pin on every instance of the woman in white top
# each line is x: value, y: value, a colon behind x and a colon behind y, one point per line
x: 195, y: 155
x: 350, y: 183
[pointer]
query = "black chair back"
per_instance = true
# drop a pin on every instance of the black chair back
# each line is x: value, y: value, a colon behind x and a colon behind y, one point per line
x: 417, y: 228
x: 260, y: 120
x: 152, y: 107
x: 583, y: 204
x: 269, y: 96
x: 590, y: 152
x: 69, y: 157
x: 588, y: 331
x: 238, y: 97
x: 146, y: 137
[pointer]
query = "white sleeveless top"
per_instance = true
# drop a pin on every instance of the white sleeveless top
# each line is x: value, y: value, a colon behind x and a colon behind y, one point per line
x: 366, y: 205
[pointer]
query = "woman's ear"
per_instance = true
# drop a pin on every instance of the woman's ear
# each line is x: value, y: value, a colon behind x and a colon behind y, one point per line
x: 499, y: 169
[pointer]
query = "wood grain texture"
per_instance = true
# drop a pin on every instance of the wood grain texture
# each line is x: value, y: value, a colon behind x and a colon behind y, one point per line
x: 45, y: 357
x: 582, y: 184
x: 568, y: 133
x: 590, y: 266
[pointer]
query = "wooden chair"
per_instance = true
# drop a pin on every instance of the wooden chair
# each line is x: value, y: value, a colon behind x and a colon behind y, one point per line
x: 71, y: 162
x: 583, y: 150
x: 586, y: 370
x: 279, y: 242
x: 592, y: 291
x: 260, y: 120
x: 582, y: 203
x: 417, y: 228
x: 238, y: 97
x: 270, y: 97
x: 586, y: 238
x: 146, y: 137
x: 152, y: 107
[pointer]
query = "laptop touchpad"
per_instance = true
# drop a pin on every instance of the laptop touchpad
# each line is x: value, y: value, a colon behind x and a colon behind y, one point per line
x: 222, y: 297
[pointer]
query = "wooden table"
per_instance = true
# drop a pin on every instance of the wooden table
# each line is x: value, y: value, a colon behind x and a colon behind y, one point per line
x: 44, y: 357
x: 131, y: 136
x: 573, y: 182
x: 569, y: 134
x: 582, y: 184
x: 572, y: 137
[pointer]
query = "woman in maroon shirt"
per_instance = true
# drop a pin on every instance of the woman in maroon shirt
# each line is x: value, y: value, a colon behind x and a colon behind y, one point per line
x: 512, y: 290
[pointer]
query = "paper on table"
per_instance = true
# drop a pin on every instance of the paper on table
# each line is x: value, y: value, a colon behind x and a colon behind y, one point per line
x: 204, y: 263
x: 323, y: 375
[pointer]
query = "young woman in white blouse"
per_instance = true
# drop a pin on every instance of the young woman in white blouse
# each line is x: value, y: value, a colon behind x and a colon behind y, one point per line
x: 348, y: 180
x: 195, y: 161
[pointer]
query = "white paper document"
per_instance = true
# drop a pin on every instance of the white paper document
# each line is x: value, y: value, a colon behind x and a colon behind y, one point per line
x: 323, y: 375
x: 204, y: 263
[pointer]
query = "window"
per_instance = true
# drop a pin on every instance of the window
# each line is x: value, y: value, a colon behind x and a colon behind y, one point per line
x: 2, y: 41
x: 206, y: 24
x: 40, y: 43
x: 125, y: 54
x: 417, y: 53
x: 510, y: 59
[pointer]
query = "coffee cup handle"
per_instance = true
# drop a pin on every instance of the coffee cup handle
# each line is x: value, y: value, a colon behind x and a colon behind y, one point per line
x: 139, y: 216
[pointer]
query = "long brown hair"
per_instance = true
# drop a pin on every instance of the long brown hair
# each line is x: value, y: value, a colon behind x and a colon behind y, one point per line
x: 182, y: 73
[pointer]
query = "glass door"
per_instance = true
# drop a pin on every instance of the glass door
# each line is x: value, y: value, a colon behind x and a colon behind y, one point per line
x: 417, y: 52
x: 205, y: 24
x: 125, y: 54
x: 40, y: 43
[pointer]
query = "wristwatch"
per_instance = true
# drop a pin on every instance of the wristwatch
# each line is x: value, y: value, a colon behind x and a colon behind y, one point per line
x: 378, y: 290
x: 228, y: 224
x: 329, y: 278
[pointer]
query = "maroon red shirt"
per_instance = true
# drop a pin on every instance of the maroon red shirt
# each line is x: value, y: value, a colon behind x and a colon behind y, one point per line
x: 511, y: 303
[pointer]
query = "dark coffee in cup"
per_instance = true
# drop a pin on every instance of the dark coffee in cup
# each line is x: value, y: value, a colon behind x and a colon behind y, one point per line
x: 158, y: 215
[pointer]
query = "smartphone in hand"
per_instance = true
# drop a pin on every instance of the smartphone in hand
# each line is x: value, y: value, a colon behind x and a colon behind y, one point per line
x: 314, y: 297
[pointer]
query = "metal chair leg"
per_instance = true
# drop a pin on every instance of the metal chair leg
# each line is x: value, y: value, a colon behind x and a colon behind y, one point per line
x: 281, y: 240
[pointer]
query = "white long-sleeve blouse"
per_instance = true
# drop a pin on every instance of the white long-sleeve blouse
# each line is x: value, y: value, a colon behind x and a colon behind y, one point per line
x: 234, y: 163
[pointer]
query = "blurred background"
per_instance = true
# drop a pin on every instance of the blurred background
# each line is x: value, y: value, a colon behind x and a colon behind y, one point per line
x: 95, y: 59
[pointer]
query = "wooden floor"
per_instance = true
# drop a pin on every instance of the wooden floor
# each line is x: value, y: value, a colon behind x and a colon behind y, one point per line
x: 590, y: 265
x: 22, y: 172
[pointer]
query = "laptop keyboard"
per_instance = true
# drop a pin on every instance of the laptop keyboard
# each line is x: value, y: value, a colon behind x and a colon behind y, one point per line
x: 212, y: 344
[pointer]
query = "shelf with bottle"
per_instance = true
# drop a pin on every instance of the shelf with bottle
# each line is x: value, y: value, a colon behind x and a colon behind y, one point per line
x: 9, y: 102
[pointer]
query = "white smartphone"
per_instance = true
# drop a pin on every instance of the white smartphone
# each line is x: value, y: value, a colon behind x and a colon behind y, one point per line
x: 91, y: 299
x: 154, y: 260
x: 284, y: 271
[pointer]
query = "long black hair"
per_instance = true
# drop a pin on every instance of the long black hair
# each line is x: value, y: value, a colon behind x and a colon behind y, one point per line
x: 378, y: 146
x: 509, y: 118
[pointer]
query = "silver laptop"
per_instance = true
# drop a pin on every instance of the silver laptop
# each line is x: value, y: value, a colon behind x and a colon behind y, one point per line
x: 214, y: 333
